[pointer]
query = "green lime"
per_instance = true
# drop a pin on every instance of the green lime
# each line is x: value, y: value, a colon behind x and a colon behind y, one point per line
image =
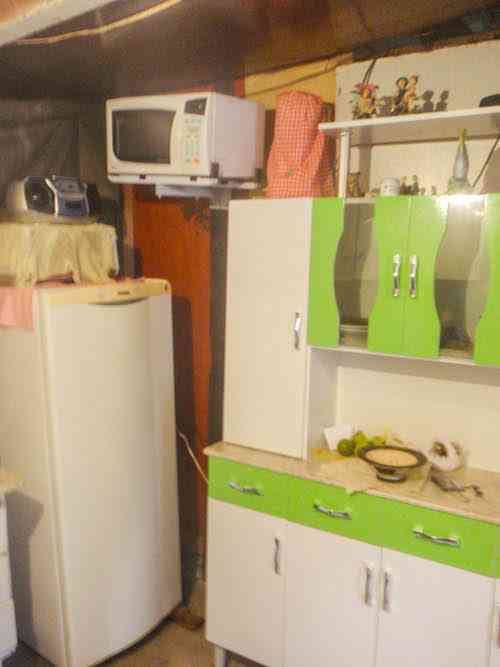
x: 346, y: 447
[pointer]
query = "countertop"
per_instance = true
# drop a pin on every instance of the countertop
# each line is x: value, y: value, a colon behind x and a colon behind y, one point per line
x: 356, y: 476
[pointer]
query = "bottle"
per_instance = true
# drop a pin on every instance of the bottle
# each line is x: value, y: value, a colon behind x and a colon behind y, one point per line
x: 461, y: 164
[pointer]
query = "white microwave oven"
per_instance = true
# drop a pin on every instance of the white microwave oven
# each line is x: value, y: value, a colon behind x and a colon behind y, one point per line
x: 189, y: 139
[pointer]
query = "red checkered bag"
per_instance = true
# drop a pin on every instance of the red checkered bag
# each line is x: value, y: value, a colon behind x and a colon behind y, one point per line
x: 299, y: 163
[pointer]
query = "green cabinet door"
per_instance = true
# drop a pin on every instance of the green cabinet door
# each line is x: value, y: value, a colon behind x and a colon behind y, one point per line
x: 385, y: 326
x: 409, y: 232
x: 422, y: 327
x: 487, y: 344
x: 327, y: 226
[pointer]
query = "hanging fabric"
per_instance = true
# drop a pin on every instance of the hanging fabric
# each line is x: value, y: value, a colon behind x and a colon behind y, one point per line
x: 300, y: 161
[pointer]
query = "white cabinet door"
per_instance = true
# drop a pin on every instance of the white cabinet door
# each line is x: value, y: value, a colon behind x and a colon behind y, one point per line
x: 495, y: 644
x: 433, y: 615
x: 245, y: 574
x: 331, y: 605
x: 267, y: 296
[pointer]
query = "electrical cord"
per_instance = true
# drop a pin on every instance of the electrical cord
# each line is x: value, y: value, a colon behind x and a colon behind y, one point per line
x: 369, y: 70
x: 327, y: 69
x: 192, y: 455
x: 486, y: 162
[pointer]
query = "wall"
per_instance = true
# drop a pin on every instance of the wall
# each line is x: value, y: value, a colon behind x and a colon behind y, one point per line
x: 317, y: 78
x: 92, y: 150
x: 467, y: 73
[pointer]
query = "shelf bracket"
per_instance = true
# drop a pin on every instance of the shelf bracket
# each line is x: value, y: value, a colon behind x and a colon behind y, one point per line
x: 344, y: 159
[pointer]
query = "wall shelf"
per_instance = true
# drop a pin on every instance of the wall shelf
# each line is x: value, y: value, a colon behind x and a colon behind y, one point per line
x: 481, y: 122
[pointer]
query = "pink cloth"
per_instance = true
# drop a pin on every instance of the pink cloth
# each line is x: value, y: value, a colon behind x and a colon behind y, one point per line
x: 16, y: 307
x: 16, y: 303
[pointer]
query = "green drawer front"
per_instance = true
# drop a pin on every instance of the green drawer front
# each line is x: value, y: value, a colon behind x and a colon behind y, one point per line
x: 477, y: 548
x: 253, y: 488
x: 314, y: 504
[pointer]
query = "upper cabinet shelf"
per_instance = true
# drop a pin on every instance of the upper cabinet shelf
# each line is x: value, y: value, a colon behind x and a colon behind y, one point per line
x: 436, y: 126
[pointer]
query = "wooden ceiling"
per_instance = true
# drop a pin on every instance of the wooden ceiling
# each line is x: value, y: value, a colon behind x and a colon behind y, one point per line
x: 198, y: 41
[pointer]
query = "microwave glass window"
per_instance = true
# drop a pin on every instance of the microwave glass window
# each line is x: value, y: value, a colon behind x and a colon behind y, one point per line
x: 143, y: 135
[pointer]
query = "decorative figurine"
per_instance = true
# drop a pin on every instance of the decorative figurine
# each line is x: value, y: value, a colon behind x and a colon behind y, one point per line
x: 390, y: 187
x: 414, y: 187
x: 404, y: 188
x: 410, y: 96
x: 446, y: 456
x: 353, y: 185
x: 397, y: 100
x: 364, y: 103
x: 405, y: 97
x: 458, y: 183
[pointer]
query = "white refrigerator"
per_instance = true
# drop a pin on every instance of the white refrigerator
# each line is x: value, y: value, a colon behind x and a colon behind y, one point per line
x: 87, y: 421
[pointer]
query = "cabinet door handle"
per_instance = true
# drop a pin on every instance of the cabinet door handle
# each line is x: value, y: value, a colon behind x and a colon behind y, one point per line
x: 277, y: 556
x: 413, y: 276
x: 445, y: 541
x: 386, y: 602
x: 396, y: 274
x: 368, y: 585
x: 297, y: 325
x: 250, y: 490
x: 333, y: 514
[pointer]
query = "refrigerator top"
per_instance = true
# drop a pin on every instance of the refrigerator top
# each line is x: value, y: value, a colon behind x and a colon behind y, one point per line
x: 112, y: 292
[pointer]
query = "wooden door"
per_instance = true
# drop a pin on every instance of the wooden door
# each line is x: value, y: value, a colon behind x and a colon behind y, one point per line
x: 266, y: 321
x: 245, y: 575
x: 432, y: 614
x: 331, y: 599
x: 173, y: 241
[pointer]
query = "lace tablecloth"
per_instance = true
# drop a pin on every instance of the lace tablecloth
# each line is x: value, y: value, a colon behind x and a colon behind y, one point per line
x: 35, y: 252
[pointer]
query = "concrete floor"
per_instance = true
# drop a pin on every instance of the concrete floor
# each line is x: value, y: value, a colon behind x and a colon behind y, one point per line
x: 170, y: 645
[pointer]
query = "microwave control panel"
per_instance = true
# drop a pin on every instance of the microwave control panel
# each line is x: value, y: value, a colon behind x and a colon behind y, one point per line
x: 192, y: 139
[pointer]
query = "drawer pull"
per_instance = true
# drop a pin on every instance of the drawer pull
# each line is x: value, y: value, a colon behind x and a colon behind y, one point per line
x: 277, y: 556
x: 333, y: 514
x: 445, y: 541
x: 413, y: 276
x: 368, y: 585
x: 250, y: 490
x: 396, y: 275
x: 297, y: 324
x: 386, y: 600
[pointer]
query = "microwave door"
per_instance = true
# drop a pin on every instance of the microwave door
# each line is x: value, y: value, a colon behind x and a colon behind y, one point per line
x: 143, y: 136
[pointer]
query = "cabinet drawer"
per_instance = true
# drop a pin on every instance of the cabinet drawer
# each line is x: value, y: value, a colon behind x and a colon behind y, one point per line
x: 441, y: 537
x: 253, y: 488
x: 332, y: 509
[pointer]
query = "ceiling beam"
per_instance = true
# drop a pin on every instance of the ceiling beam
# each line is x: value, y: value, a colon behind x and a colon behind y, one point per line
x: 45, y: 15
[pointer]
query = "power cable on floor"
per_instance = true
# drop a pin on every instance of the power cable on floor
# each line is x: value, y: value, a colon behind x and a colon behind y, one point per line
x: 192, y: 455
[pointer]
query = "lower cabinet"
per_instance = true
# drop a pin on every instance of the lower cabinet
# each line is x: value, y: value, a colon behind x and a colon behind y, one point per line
x: 495, y: 637
x: 330, y: 599
x: 287, y: 595
x: 432, y: 614
x: 246, y: 582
